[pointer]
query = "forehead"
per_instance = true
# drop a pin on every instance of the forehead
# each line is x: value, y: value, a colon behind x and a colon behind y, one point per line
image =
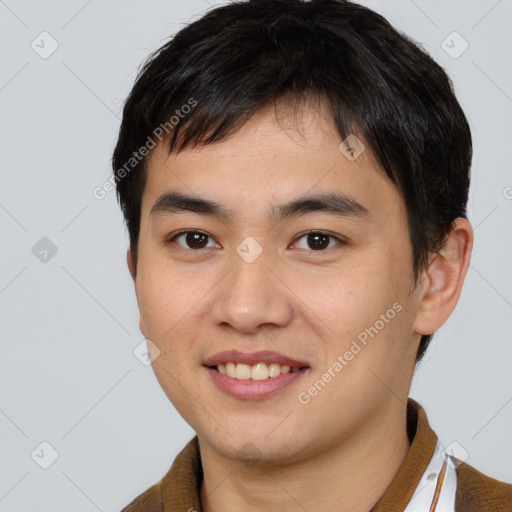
x: 270, y: 159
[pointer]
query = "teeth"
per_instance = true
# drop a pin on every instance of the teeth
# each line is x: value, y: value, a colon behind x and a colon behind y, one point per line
x: 274, y: 370
x: 243, y: 371
x: 260, y: 371
x: 230, y: 370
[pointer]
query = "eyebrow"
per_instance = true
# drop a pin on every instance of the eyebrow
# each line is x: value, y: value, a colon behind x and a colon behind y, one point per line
x: 334, y: 203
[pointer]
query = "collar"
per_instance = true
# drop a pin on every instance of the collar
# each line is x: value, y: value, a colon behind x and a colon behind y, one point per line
x: 180, y: 487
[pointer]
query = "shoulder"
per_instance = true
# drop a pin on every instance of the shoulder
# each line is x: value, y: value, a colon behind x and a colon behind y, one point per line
x: 149, y: 501
x: 477, y: 492
x: 178, y: 489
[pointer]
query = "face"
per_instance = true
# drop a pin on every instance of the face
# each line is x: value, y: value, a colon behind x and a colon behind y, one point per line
x: 324, y: 283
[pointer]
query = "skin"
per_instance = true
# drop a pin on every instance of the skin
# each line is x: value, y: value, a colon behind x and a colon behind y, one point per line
x: 340, y: 451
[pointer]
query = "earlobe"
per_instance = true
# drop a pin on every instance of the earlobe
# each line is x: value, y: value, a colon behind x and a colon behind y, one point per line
x: 129, y: 261
x: 142, y: 327
x: 443, y: 279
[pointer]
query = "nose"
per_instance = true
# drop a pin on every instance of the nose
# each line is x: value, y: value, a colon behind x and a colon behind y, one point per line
x: 252, y: 296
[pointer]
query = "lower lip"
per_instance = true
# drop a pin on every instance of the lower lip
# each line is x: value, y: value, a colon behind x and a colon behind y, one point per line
x: 248, y: 389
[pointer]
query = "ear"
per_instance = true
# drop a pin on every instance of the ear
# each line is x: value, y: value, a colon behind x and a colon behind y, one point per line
x: 131, y: 268
x: 142, y: 326
x: 129, y: 261
x: 443, y: 278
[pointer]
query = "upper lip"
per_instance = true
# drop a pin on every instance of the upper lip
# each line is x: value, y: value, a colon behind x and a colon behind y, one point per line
x: 261, y: 356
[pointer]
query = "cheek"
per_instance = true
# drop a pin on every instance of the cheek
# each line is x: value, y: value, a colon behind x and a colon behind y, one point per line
x: 350, y: 297
x: 170, y: 305
x: 164, y: 299
x: 362, y: 310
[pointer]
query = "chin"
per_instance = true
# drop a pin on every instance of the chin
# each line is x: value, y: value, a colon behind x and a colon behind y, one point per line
x: 256, y: 448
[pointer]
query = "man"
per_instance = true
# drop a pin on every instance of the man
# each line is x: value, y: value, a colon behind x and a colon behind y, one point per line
x: 294, y: 178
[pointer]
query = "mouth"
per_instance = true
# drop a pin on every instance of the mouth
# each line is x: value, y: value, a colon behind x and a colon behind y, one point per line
x: 253, y: 376
x: 259, y: 365
x: 245, y: 387
x: 259, y: 371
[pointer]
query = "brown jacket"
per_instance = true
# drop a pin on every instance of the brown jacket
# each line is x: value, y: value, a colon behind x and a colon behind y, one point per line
x: 178, y: 490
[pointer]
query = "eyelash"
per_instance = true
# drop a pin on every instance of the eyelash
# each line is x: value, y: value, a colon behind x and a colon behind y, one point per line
x: 173, y: 237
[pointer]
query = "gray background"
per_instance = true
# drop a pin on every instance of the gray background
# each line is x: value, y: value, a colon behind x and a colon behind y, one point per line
x: 69, y: 325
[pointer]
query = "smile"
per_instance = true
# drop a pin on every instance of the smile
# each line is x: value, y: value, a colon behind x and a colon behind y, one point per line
x: 246, y: 387
x: 259, y: 371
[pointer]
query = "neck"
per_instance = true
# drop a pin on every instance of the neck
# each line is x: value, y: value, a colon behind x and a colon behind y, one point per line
x: 350, y: 477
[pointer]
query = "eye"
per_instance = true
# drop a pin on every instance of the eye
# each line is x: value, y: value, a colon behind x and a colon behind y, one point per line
x: 317, y: 241
x: 196, y: 240
x: 191, y: 240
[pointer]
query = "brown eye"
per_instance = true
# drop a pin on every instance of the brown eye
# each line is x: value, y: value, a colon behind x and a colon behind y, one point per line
x: 317, y: 241
x: 192, y: 240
